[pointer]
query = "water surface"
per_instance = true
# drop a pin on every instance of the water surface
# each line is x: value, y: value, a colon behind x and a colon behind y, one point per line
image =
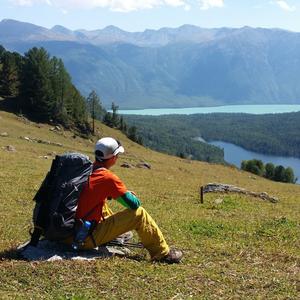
x: 250, y: 109
x: 235, y: 155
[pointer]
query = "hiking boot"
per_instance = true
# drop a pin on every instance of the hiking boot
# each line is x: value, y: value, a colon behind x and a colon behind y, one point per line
x: 173, y: 257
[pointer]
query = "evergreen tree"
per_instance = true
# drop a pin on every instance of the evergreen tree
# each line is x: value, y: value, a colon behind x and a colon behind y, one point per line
x: 62, y: 91
x: 95, y: 108
x: 112, y: 119
x: 115, y: 117
x: 254, y: 166
x: 36, y: 88
x: 107, y: 119
x: 10, y: 74
x: 279, y: 173
x: 139, y: 140
x: 269, y: 171
x: 244, y: 165
x: 78, y: 108
x: 2, y: 51
x: 122, y: 123
x: 289, y: 175
x: 132, y: 133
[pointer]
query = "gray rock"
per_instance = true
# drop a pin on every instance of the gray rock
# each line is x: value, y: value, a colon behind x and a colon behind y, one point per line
x: 57, y: 144
x: 219, y: 201
x: 44, y: 157
x: 143, y: 165
x: 27, y: 138
x: 55, y: 128
x: 3, y: 134
x: 10, y: 148
x: 221, y: 187
x: 127, y: 165
x: 53, y: 153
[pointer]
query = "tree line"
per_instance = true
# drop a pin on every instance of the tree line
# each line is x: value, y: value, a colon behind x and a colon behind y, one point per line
x: 110, y: 118
x: 40, y: 87
x: 274, y: 134
x: 164, y: 134
x: 269, y: 170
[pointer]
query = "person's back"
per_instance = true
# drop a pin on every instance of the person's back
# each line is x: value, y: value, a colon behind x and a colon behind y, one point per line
x: 102, y: 184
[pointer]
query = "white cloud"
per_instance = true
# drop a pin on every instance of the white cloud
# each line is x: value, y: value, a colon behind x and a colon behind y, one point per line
x: 285, y: 6
x: 127, y: 5
x: 187, y: 7
x: 206, y: 4
x: 22, y: 2
x: 114, y: 5
x: 175, y: 2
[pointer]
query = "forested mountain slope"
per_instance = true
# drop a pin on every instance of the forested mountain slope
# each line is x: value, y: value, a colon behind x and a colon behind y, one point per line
x: 277, y: 134
x: 187, y: 66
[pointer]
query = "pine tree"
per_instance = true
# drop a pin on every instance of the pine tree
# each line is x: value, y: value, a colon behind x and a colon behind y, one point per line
x: 95, y: 108
x: 62, y: 90
x: 107, y: 119
x: 78, y: 109
x: 270, y: 169
x: 10, y: 74
x: 132, y: 133
x: 2, y: 51
x: 289, y: 175
x: 36, y: 88
x: 115, y: 117
x: 279, y: 173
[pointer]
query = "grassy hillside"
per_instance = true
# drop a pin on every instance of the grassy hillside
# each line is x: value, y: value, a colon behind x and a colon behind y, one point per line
x: 242, y: 248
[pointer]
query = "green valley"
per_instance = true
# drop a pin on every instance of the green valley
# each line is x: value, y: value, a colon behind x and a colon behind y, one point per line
x: 276, y: 134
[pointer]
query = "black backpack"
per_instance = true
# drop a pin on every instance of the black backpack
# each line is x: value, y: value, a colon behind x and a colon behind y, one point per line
x: 57, y: 198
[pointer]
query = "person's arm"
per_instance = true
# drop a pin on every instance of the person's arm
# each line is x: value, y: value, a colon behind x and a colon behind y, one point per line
x: 119, y: 192
x: 129, y: 200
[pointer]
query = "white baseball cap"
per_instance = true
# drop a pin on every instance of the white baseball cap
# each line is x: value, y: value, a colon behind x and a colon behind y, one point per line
x: 107, y: 147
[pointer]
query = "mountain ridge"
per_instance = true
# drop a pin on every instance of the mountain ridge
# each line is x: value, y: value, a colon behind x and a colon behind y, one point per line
x: 166, y: 35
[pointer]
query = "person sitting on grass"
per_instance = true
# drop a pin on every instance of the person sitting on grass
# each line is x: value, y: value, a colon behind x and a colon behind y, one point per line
x: 104, y: 184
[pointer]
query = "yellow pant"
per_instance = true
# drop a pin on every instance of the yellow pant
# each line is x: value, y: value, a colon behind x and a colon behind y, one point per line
x: 116, y: 224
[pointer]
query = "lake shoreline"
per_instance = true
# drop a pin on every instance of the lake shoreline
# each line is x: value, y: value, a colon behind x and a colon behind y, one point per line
x: 248, y: 109
x: 235, y: 154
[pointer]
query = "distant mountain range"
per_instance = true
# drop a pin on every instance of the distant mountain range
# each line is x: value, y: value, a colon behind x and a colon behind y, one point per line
x: 172, y: 67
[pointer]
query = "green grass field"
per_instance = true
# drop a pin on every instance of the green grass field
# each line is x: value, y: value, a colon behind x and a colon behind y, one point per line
x: 241, y: 248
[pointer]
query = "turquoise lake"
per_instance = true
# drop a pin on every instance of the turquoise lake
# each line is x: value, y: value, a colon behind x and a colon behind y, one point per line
x: 232, y: 153
x: 250, y: 109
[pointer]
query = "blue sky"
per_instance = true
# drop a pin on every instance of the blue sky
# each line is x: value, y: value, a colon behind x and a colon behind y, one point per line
x: 137, y: 15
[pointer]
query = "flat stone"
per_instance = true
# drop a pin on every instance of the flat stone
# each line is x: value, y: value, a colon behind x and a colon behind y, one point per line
x: 218, y: 200
x: 143, y: 165
x: 10, y: 148
x: 3, y: 134
x: 53, y: 251
x: 127, y: 165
